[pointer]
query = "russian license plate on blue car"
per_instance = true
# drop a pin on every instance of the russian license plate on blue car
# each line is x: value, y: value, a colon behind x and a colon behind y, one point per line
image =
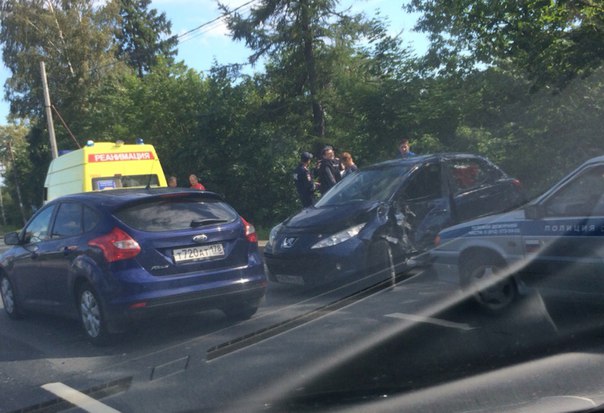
x: 198, y: 253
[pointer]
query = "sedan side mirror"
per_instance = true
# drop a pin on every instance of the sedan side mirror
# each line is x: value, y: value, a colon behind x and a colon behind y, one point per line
x: 12, y: 238
x: 533, y: 211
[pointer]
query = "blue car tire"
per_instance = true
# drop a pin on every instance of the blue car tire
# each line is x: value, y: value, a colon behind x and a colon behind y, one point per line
x: 92, y: 316
x: 9, y: 299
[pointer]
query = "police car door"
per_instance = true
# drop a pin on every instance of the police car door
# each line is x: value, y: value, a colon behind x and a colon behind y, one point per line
x: 566, y: 245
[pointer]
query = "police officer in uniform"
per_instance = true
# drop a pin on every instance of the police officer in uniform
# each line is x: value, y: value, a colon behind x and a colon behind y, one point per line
x: 304, y: 181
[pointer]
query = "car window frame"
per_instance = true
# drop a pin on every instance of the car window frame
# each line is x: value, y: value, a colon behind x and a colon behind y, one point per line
x: 400, y: 194
x: 563, y: 187
x: 23, y: 239
x: 484, y: 165
x: 55, y: 236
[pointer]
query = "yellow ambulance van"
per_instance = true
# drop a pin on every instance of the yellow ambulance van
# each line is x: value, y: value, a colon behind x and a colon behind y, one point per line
x: 104, y: 165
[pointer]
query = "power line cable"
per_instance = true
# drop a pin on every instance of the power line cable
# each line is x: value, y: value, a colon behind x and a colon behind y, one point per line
x: 223, y: 15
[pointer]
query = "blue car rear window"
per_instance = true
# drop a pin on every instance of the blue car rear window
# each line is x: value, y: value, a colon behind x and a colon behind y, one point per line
x: 176, y: 214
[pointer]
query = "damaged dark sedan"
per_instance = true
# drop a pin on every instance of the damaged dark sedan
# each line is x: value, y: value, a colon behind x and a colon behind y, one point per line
x: 380, y: 219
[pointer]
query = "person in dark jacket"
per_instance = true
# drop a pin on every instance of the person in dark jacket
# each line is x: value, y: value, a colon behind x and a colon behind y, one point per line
x: 329, y: 170
x: 305, y: 183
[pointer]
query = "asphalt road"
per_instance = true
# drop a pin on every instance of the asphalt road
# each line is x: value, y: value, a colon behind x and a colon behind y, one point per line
x: 309, y: 349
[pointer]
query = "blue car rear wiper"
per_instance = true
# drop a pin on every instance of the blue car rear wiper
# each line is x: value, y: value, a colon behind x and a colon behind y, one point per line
x: 201, y: 222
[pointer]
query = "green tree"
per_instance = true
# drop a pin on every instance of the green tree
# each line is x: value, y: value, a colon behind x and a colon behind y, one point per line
x: 143, y: 36
x: 551, y: 41
x: 374, y: 95
x: 299, y: 37
x: 73, y: 38
x: 19, y: 145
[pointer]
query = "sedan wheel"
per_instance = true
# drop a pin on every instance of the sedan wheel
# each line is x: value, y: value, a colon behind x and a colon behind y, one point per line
x: 492, y: 295
x: 8, y: 298
x: 92, y: 317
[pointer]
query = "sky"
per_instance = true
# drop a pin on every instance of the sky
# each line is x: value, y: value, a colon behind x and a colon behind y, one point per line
x: 211, y: 43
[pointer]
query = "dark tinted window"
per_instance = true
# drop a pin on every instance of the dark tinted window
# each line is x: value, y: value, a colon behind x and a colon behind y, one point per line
x: 91, y: 219
x: 425, y: 183
x: 69, y: 221
x: 471, y: 173
x: 176, y: 213
x: 38, y: 228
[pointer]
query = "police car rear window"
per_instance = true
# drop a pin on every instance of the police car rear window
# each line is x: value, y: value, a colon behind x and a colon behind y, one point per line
x: 176, y: 214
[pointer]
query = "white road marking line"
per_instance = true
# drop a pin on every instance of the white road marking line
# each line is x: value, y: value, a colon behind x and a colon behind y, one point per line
x: 78, y: 399
x: 430, y: 320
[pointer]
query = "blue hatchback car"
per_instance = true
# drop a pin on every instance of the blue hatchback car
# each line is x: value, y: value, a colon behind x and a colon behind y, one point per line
x: 114, y: 256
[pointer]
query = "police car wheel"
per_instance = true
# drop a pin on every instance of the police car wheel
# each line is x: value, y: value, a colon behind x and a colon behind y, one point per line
x: 494, y: 289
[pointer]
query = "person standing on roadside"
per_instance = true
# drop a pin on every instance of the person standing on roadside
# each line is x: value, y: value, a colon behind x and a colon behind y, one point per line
x: 172, y: 182
x: 348, y: 163
x: 305, y: 185
x: 404, y: 149
x: 329, y: 170
x: 195, y: 184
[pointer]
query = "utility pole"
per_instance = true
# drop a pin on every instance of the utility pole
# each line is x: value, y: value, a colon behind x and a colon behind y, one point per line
x: 51, y: 127
x: 2, y: 170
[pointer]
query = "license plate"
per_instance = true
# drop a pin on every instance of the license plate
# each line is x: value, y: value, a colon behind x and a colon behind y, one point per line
x: 198, y: 253
x: 290, y: 279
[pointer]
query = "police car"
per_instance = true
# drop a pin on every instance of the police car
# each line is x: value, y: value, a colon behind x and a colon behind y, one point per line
x: 553, y: 245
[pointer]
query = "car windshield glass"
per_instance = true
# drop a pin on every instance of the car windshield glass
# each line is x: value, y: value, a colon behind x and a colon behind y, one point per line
x: 175, y: 214
x: 375, y: 184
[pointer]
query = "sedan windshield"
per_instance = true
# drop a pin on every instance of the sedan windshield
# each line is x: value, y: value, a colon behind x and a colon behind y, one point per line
x: 376, y: 184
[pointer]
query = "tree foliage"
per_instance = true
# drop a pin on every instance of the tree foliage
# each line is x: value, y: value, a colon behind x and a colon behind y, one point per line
x: 73, y: 38
x: 143, y: 35
x: 552, y: 42
x: 302, y: 38
x: 534, y: 107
